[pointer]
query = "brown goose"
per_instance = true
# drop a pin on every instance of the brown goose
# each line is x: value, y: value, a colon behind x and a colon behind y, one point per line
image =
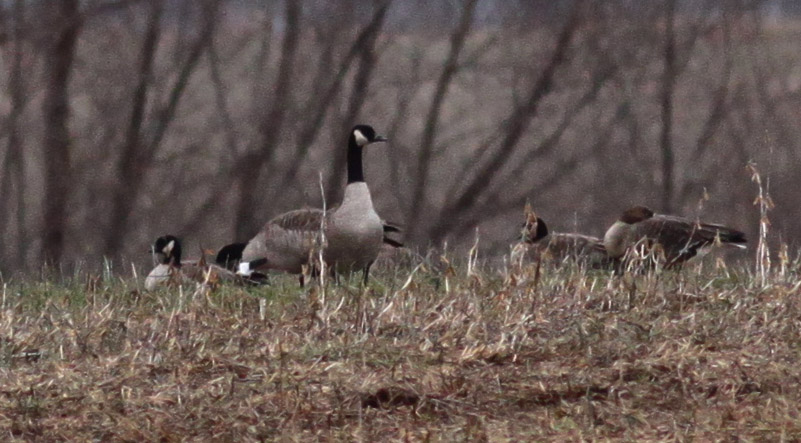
x: 558, y: 246
x: 678, y: 239
x: 353, y: 232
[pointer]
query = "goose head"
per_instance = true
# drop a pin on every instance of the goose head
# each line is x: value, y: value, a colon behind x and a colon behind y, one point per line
x: 363, y: 135
x: 360, y: 136
x: 534, y: 229
x: 168, y: 248
x: 636, y: 214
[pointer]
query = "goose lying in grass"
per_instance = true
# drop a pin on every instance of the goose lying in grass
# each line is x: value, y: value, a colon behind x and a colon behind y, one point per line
x: 560, y: 247
x: 671, y: 240
x: 173, y: 270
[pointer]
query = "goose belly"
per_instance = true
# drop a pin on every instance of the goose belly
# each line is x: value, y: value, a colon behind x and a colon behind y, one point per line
x: 353, y: 243
x: 617, y: 239
x: 284, y: 250
x: 163, y: 275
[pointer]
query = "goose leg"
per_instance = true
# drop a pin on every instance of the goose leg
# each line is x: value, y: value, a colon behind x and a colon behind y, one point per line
x: 367, y: 272
x: 333, y: 275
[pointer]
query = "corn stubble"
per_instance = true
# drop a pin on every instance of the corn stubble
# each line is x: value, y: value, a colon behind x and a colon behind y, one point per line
x: 444, y: 348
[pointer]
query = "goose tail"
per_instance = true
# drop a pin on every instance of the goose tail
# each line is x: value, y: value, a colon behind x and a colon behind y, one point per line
x: 247, y: 268
x: 733, y: 236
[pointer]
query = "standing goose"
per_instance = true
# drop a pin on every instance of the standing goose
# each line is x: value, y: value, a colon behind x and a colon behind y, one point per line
x: 559, y: 246
x: 353, y: 231
x: 679, y: 239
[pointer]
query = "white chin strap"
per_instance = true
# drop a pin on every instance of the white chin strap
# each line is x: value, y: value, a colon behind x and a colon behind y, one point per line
x: 168, y: 249
x: 361, y: 140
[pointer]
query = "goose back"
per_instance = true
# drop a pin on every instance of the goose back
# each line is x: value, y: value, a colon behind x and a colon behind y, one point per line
x: 678, y: 238
x: 560, y: 247
x: 286, y: 241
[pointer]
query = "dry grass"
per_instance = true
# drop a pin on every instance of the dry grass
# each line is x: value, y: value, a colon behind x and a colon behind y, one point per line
x: 424, y: 353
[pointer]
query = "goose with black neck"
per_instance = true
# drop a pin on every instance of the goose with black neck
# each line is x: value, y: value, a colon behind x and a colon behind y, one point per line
x: 353, y: 231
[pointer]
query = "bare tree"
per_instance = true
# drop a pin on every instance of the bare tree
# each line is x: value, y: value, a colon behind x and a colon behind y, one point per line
x: 358, y: 95
x: 138, y: 154
x: 488, y: 161
x: 251, y: 165
x: 12, y: 186
x: 668, y: 82
x: 449, y: 70
x: 596, y: 106
x: 56, y: 111
x: 134, y: 160
x: 318, y: 108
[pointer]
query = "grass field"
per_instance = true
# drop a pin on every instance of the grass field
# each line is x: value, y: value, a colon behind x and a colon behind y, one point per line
x: 426, y: 353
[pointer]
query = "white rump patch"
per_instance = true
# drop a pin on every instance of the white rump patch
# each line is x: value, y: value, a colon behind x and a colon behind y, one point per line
x: 361, y: 140
x: 168, y: 249
x: 244, y: 269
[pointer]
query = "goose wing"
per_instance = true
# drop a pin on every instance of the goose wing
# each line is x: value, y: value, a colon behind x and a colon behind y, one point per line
x: 681, y: 238
x: 585, y: 248
x: 391, y: 228
x: 306, y: 220
x: 310, y: 219
x: 286, y: 241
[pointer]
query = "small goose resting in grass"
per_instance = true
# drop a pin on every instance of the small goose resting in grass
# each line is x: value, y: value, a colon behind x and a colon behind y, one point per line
x: 558, y: 246
x: 674, y: 239
x: 353, y: 231
x: 172, y: 270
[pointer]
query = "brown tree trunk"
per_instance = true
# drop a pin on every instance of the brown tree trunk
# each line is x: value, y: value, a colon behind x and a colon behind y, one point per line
x: 12, y: 186
x: 668, y: 85
x: 55, y: 108
x: 250, y: 166
x: 138, y: 155
x: 133, y: 160
x: 458, y: 38
x: 464, y: 197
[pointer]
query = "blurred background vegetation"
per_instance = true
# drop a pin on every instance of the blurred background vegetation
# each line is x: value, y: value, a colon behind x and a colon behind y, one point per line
x: 123, y: 120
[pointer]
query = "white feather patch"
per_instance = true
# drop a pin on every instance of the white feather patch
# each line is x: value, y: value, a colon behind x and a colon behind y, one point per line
x: 168, y: 249
x: 361, y: 140
x: 244, y: 269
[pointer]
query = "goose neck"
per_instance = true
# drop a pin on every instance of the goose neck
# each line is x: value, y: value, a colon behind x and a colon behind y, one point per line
x: 355, y: 168
x: 175, y: 258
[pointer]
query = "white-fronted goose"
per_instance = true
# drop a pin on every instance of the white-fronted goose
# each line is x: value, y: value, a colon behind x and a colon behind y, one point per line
x: 675, y: 239
x: 561, y: 246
